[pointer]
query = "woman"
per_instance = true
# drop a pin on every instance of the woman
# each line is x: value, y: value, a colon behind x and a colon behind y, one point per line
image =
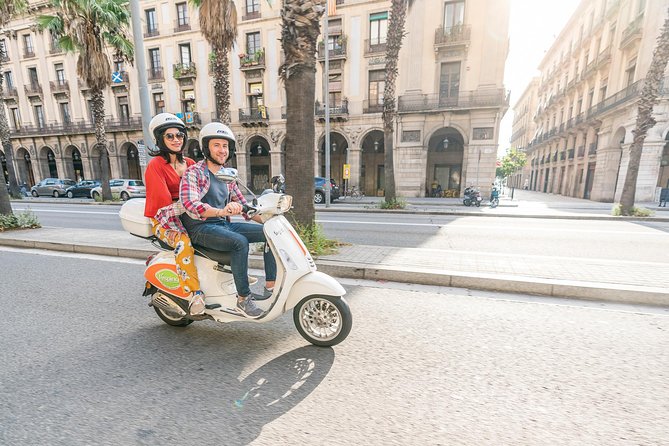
x: 162, y: 177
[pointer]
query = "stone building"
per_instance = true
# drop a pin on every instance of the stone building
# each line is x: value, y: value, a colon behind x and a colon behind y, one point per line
x: 590, y: 80
x: 451, y: 98
x: 523, y: 128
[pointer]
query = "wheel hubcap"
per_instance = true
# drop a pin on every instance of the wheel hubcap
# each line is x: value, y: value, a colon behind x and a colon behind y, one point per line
x: 320, y: 319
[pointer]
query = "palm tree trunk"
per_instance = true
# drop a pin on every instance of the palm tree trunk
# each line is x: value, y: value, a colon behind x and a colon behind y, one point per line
x: 222, y: 84
x: 644, y: 119
x: 101, y: 141
x: 300, y: 132
x: 398, y: 14
x: 7, y: 148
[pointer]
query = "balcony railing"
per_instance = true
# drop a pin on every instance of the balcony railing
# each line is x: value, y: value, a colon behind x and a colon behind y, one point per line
x: 464, y: 99
x: 452, y: 35
x: 28, y: 52
x: 54, y: 48
x: 60, y: 86
x: 82, y: 126
x: 33, y: 89
x: 335, y: 109
x: 570, y: 154
x: 4, y: 57
x: 372, y: 106
x: 373, y: 46
x: 337, y: 52
x: 253, y: 115
x: 252, y: 61
x: 619, y: 98
x: 153, y: 32
x: 251, y: 15
x: 155, y: 74
x: 11, y: 92
x: 180, y: 26
x: 592, y: 149
x: 184, y: 70
x: 581, y: 151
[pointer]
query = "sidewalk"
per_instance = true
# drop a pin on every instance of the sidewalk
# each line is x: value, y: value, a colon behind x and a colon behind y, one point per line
x: 603, y: 279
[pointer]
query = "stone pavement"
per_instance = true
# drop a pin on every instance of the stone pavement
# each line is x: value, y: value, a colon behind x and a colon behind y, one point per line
x: 602, y: 279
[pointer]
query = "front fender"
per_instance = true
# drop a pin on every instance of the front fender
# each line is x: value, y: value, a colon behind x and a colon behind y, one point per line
x: 313, y: 283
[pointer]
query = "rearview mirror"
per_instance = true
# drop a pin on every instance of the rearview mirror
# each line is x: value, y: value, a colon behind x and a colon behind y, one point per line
x: 227, y: 175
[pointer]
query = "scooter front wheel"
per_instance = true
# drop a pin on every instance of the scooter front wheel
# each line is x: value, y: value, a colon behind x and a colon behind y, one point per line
x: 323, y: 320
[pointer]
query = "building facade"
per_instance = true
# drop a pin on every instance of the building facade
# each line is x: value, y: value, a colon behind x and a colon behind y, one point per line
x: 523, y: 128
x: 590, y: 81
x: 450, y: 94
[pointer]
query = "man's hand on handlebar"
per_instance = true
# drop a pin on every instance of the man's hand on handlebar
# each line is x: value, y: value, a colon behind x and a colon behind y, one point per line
x: 232, y: 208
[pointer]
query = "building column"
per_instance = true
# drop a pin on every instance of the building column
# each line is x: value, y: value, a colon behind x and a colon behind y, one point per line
x: 244, y: 165
x: 276, y: 165
x: 355, y: 160
x: 606, y: 174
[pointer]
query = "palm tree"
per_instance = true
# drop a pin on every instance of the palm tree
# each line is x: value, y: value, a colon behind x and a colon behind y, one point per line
x: 398, y: 13
x: 8, y: 8
x: 218, y: 24
x: 300, y: 27
x: 644, y: 119
x: 88, y: 27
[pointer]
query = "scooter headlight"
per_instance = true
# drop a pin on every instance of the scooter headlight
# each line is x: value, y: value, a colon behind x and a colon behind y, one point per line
x: 284, y: 204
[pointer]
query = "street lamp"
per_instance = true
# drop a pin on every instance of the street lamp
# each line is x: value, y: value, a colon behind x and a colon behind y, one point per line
x: 258, y: 149
x: 445, y: 143
x: 334, y: 146
x: 376, y: 146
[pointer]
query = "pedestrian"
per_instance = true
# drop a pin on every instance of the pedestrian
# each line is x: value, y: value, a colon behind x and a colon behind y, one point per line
x: 163, y: 176
x: 210, y: 203
x: 664, y: 197
x: 526, y: 185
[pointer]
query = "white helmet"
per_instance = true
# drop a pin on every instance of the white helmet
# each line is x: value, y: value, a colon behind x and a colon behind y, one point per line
x: 162, y: 122
x: 216, y: 130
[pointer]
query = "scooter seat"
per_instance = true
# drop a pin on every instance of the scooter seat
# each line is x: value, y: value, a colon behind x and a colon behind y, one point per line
x: 222, y: 257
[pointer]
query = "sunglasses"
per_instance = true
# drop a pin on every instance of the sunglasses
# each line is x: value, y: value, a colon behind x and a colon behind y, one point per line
x: 171, y: 136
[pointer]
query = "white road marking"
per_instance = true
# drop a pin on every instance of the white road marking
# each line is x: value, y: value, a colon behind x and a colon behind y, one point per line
x: 56, y: 211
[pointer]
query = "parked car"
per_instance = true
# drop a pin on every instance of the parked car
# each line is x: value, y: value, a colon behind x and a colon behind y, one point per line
x: 81, y: 189
x: 319, y: 193
x: 319, y: 186
x: 126, y: 189
x: 55, y: 187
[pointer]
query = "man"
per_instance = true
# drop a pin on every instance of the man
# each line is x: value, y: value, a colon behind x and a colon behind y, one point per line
x: 210, y: 203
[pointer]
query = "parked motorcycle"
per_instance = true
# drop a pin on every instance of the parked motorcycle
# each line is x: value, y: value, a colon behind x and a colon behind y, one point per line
x: 472, y: 197
x: 320, y: 313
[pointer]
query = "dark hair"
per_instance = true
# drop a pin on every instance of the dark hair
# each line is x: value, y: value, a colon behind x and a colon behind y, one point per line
x: 162, y: 149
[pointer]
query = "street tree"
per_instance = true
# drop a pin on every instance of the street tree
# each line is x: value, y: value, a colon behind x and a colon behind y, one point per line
x: 644, y: 119
x: 218, y: 24
x: 398, y: 12
x: 8, y: 9
x: 300, y: 28
x: 90, y: 27
x: 511, y: 162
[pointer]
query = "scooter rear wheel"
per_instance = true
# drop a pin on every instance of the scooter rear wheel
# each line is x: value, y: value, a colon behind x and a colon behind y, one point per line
x: 174, y: 321
x: 323, y: 320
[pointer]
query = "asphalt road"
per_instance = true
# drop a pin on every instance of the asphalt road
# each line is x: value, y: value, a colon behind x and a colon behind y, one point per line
x: 84, y: 361
x: 635, y: 241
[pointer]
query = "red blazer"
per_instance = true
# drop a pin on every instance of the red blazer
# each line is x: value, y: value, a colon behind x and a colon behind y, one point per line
x: 162, y: 184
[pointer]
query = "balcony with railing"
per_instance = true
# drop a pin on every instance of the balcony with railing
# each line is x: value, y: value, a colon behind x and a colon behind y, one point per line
x: 374, y: 46
x: 251, y: 15
x: 372, y: 106
x: 181, y: 26
x: 338, y: 111
x: 33, y: 89
x: 254, y: 116
x: 184, y: 71
x: 11, y: 92
x: 54, y: 48
x: 155, y: 74
x: 338, y: 50
x: 592, y: 149
x: 463, y: 99
x: 570, y: 154
x: 632, y: 33
x: 60, y: 86
x: 619, y: 98
x: 151, y: 32
x: 4, y: 57
x: 28, y: 52
x: 252, y: 61
x: 452, y: 35
x: 79, y: 127
x: 604, y: 57
x: 581, y: 151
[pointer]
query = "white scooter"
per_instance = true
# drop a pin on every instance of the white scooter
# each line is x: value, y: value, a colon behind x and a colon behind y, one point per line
x: 320, y: 313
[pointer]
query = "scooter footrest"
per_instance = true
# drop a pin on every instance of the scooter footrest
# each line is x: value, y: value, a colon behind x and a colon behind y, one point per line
x: 212, y: 306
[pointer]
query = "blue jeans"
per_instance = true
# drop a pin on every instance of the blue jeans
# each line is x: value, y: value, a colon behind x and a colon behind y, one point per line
x: 235, y: 238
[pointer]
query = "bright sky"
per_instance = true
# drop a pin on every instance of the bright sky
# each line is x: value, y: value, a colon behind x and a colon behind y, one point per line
x: 533, y: 27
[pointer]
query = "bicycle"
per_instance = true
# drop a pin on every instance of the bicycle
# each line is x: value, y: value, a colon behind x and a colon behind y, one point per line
x: 353, y: 192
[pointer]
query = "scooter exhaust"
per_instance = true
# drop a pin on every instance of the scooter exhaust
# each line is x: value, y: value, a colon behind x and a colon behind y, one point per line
x: 163, y: 302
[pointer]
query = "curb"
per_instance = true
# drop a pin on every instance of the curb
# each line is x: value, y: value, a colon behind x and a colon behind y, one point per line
x: 628, y: 294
